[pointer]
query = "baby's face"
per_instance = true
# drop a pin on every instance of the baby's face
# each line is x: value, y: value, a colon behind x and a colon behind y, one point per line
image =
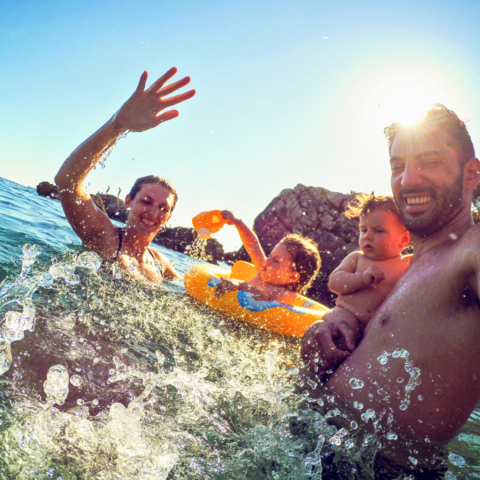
x: 382, y: 236
x: 279, y: 268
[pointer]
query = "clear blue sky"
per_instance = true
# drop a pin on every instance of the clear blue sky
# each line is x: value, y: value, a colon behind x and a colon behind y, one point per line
x: 287, y: 92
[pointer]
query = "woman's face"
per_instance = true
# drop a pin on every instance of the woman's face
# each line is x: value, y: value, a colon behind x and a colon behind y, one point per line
x: 150, y: 209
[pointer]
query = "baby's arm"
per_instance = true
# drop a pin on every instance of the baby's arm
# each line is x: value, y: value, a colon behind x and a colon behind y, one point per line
x: 345, y: 278
x: 249, y: 239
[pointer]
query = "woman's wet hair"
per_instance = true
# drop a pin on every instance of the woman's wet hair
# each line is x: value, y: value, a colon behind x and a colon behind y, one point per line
x: 364, y: 204
x: 438, y: 119
x: 306, y: 259
x: 137, y: 186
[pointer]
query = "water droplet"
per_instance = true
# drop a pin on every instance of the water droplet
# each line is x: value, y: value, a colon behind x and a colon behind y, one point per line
x: 391, y: 436
x: 353, y: 425
x: 95, y: 402
x: 76, y: 380
x: 5, y: 356
x: 332, y: 413
x: 56, y: 385
x: 312, y: 384
x: 400, y: 353
x: 358, y: 405
x: 80, y: 402
x: 89, y: 260
x: 78, y: 201
x: 413, y: 460
x: 400, y: 380
x: 355, y: 383
x: 382, y: 359
x: 420, y: 397
x: 455, y: 459
x: 349, y: 444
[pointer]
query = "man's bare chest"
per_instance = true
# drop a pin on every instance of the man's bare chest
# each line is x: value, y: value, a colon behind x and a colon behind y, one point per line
x: 430, y: 290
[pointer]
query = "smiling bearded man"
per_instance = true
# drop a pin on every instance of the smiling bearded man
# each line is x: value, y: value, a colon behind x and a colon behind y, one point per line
x: 419, y: 360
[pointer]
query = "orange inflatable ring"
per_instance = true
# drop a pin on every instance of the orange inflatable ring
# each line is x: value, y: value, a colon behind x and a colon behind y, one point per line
x: 292, y: 320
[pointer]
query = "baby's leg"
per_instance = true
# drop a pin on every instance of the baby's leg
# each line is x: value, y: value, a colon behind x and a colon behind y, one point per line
x: 342, y: 315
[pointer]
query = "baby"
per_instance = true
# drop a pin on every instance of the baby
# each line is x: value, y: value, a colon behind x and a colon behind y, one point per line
x: 289, y: 270
x: 363, y: 280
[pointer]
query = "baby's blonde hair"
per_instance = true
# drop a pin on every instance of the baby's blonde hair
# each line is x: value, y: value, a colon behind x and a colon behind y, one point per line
x: 364, y: 204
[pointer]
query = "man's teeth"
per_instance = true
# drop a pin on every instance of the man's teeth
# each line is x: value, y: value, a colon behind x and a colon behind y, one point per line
x: 418, y: 200
x: 148, y: 222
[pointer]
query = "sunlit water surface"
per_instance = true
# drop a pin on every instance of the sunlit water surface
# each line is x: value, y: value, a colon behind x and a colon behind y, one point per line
x: 111, y: 379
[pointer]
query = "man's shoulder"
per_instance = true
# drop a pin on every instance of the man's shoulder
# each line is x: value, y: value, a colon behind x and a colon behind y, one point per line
x: 470, y: 240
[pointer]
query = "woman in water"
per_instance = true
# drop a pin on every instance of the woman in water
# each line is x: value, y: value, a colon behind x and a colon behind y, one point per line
x: 150, y: 202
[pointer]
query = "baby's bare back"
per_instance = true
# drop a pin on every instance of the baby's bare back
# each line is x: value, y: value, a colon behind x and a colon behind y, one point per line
x: 364, y: 303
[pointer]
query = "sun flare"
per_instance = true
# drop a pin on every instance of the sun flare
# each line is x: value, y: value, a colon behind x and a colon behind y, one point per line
x: 406, y: 102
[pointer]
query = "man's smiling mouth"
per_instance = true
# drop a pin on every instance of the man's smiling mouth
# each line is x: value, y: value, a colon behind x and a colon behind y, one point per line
x: 418, y: 200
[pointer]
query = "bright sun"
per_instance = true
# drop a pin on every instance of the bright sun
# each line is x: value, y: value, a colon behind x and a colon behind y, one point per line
x: 406, y: 102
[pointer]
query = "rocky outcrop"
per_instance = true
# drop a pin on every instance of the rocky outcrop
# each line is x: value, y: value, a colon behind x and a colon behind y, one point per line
x: 114, y: 207
x: 47, y: 189
x: 181, y: 240
x: 316, y: 213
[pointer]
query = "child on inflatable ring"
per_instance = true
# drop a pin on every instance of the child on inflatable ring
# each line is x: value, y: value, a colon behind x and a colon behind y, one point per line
x: 288, y: 271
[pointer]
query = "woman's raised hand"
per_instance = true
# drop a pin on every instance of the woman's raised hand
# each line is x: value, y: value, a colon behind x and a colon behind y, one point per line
x: 142, y: 111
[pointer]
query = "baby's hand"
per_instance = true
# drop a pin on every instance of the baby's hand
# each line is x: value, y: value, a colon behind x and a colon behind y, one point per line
x: 373, y: 275
x: 226, y: 285
x: 229, y: 217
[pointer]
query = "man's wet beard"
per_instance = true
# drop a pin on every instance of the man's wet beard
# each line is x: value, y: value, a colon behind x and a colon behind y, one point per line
x: 448, y: 201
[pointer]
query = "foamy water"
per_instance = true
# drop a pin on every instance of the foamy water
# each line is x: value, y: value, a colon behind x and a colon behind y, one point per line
x: 108, y: 378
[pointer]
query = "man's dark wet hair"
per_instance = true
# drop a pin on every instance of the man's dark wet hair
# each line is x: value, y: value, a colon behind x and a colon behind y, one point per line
x: 153, y: 179
x: 364, y: 204
x: 305, y: 257
x: 439, y: 119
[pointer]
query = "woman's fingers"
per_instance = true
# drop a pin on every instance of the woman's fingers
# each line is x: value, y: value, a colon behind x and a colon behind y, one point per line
x: 172, y: 87
x: 158, y: 84
x: 168, y: 102
x: 142, y: 82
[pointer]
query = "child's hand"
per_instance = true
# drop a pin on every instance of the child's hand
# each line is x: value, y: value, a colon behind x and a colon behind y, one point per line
x: 373, y: 275
x: 227, y: 285
x: 229, y: 217
x: 325, y: 345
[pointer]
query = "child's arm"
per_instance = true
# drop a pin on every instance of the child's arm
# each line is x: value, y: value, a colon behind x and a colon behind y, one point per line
x: 249, y: 239
x: 345, y: 279
x: 231, y: 284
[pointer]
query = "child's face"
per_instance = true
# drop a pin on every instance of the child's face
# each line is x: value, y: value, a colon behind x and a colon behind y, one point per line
x: 382, y: 236
x: 279, y: 268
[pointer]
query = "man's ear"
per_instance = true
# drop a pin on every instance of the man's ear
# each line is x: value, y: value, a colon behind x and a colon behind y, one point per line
x: 471, y: 172
x: 295, y: 276
x: 128, y: 201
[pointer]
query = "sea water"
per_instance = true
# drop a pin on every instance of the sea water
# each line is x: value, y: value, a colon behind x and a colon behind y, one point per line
x: 107, y: 378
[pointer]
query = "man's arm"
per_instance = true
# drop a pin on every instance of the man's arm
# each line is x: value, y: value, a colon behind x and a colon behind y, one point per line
x: 139, y: 113
x: 249, y: 239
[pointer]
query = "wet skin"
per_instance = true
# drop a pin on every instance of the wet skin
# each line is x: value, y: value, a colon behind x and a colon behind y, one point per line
x: 143, y: 111
x: 433, y: 311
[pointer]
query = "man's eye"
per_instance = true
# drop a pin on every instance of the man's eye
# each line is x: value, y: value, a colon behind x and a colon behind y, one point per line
x: 395, y: 167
